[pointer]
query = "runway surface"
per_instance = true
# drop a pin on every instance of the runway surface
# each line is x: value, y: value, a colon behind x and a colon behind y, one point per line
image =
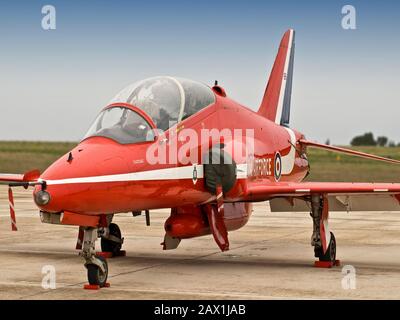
x: 270, y: 258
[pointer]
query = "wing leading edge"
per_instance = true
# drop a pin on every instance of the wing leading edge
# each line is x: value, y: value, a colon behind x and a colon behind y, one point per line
x: 30, y: 176
x: 350, y: 152
x: 342, y: 196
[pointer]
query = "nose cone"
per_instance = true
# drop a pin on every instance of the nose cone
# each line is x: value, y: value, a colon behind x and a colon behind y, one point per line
x: 64, y: 189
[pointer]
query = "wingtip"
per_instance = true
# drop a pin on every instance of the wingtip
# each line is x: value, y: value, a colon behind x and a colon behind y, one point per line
x: 32, y: 175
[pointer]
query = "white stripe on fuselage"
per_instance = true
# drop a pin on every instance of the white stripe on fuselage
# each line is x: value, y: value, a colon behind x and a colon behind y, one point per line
x: 284, y: 80
x: 185, y: 172
x: 287, y: 161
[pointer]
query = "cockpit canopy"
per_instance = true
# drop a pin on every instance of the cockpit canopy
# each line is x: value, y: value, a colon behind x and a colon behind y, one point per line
x: 166, y: 100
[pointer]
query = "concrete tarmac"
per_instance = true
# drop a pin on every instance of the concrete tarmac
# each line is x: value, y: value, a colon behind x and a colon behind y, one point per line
x: 270, y: 258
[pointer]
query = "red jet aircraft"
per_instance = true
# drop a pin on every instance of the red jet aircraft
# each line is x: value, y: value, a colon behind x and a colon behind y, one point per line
x: 136, y: 157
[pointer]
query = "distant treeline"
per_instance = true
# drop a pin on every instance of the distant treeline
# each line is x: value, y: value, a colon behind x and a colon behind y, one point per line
x: 367, y: 139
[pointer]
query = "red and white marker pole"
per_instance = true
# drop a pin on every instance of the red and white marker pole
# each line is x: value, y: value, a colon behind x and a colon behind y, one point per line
x: 12, y: 211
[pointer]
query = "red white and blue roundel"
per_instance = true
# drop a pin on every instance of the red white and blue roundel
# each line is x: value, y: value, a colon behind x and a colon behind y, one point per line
x: 277, y: 166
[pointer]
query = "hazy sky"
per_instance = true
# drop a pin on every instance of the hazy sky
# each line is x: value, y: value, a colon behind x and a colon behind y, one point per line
x: 53, y: 83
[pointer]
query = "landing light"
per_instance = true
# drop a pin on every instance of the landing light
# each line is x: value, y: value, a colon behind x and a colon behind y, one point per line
x: 42, y: 198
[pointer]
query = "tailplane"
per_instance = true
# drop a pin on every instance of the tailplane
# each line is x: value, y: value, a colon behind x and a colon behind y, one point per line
x: 275, y: 105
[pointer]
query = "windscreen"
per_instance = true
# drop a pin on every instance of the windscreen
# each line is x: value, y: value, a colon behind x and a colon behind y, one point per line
x: 122, y: 125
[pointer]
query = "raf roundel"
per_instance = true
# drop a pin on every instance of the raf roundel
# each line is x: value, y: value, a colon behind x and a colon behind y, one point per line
x: 277, y: 166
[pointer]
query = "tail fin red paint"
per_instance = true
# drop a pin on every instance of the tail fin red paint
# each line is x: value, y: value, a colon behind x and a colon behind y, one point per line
x: 275, y: 105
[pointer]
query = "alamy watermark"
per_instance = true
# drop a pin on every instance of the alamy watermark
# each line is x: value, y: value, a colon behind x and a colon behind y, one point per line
x: 188, y: 146
x: 49, y: 277
x: 349, y: 17
x: 349, y: 277
x: 49, y: 18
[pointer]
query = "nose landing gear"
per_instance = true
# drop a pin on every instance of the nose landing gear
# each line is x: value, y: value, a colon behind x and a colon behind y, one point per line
x: 97, y: 267
x: 95, y: 262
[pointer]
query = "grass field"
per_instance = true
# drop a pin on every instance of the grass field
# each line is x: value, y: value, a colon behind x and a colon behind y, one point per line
x: 21, y: 156
x: 328, y: 166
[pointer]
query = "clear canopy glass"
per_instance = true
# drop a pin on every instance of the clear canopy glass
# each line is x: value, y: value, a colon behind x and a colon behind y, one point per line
x: 167, y: 100
x: 122, y: 125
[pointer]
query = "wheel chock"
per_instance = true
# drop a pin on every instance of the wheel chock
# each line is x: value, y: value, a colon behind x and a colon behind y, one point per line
x: 326, y: 264
x: 91, y: 287
x: 108, y: 255
x: 95, y: 286
x: 105, y: 255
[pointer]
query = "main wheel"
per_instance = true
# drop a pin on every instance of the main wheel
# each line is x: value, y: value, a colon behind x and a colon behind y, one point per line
x: 95, y: 275
x: 107, y: 245
x: 330, y: 254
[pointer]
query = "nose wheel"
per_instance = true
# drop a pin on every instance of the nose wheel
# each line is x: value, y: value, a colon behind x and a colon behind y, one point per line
x: 97, y: 274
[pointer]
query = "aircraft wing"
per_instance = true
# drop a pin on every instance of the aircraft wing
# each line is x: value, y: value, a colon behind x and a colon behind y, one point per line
x: 9, y: 178
x: 342, y: 196
x: 349, y: 152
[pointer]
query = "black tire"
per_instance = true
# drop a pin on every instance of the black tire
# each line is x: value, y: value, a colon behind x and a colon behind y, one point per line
x: 330, y: 254
x: 109, y: 245
x: 95, y: 275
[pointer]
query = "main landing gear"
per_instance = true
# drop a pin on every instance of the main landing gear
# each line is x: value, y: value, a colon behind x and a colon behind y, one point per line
x: 322, y: 239
x: 95, y: 262
x: 111, y: 240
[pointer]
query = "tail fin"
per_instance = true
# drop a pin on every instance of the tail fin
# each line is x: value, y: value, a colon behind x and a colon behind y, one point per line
x: 275, y: 105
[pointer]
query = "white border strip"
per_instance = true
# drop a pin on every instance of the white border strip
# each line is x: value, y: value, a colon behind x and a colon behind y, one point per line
x: 289, y: 159
x: 302, y: 190
x: 174, y: 173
